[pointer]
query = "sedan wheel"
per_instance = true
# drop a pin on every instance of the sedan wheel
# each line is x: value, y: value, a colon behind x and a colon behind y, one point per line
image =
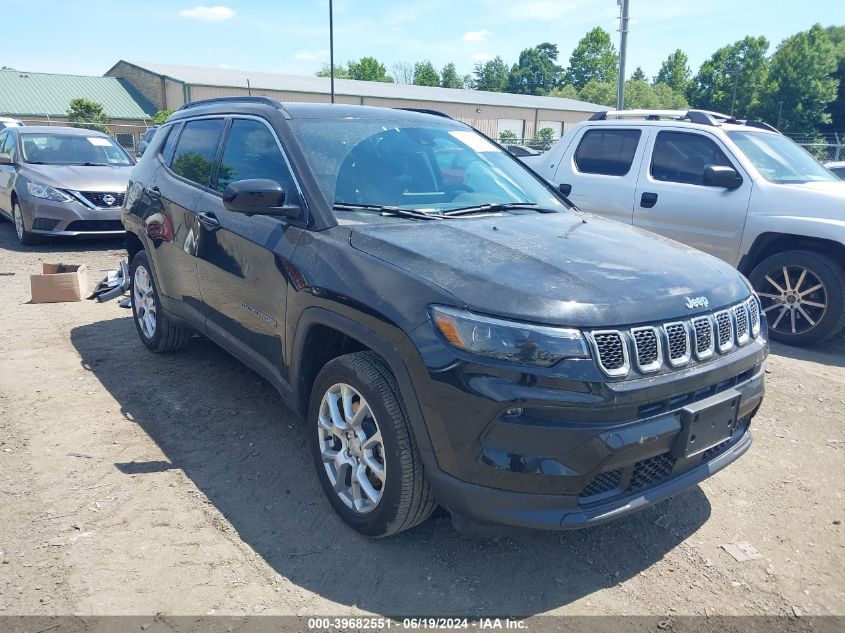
x: 16, y: 211
x: 351, y: 447
x: 145, y: 304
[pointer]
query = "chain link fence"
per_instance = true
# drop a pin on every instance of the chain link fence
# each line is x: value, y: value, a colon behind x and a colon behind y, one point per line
x: 825, y: 147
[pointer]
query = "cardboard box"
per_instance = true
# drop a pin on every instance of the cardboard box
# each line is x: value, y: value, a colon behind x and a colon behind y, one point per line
x: 59, y: 282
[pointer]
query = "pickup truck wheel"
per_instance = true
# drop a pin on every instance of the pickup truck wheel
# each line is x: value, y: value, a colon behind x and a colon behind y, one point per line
x: 803, y: 296
x: 155, y: 327
x: 363, y: 447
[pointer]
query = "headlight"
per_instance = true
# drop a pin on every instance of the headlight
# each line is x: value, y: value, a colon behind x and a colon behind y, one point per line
x: 47, y: 192
x: 510, y: 341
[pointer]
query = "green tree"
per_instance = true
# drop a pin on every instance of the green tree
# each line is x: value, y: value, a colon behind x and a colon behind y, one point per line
x: 491, y: 76
x: 567, y: 91
x: 449, y: 77
x: 739, y: 69
x: 87, y: 114
x: 425, y: 74
x: 594, y: 59
x: 638, y: 75
x: 675, y: 71
x: 545, y: 136
x: 669, y: 99
x: 536, y: 72
x: 340, y: 71
x: 507, y: 136
x: 836, y: 109
x: 161, y: 116
x: 600, y: 93
x: 801, y: 83
x: 368, y: 69
x: 639, y: 95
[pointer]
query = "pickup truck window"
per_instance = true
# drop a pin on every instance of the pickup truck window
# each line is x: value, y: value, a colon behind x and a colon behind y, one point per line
x: 607, y: 152
x: 682, y: 157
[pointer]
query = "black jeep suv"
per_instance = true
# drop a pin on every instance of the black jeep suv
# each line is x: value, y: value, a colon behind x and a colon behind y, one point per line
x: 453, y: 331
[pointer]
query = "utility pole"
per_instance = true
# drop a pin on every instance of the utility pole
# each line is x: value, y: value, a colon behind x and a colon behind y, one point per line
x: 736, y: 82
x: 623, y: 51
x: 331, y: 47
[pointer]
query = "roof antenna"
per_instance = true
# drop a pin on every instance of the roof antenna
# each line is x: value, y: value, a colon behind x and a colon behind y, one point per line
x: 248, y: 89
x: 331, y: 48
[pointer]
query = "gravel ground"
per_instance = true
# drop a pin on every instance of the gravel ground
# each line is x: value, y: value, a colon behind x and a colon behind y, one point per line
x: 139, y: 484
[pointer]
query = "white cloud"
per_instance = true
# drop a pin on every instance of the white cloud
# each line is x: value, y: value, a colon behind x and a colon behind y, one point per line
x: 311, y: 56
x: 477, y: 36
x: 482, y: 57
x: 208, y: 14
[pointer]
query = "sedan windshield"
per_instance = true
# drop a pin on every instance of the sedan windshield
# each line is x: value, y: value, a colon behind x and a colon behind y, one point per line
x: 421, y: 167
x: 72, y: 149
x: 779, y: 159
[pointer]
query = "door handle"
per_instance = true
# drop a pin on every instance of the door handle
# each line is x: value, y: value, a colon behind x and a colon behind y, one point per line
x: 564, y: 188
x: 648, y: 200
x: 208, y: 220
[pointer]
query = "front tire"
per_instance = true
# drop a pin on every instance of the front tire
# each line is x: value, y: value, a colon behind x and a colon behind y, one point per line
x: 363, y: 447
x: 803, y: 296
x: 158, y: 331
x: 26, y: 238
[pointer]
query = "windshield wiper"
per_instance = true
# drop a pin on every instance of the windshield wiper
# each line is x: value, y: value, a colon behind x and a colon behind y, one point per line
x: 488, y: 208
x: 386, y: 209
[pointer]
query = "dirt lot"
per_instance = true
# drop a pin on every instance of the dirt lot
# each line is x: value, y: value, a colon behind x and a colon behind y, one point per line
x: 134, y: 483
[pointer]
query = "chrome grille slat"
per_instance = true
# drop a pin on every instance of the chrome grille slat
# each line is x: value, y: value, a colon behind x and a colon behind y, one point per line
x: 677, y: 343
x: 754, y: 315
x: 725, y: 330
x: 705, y: 344
x: 647, y: 349
x: 743, y: 331
x: 611, y: 352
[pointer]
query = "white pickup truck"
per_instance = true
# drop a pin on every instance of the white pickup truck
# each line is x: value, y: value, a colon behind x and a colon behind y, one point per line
x: 733, y: 188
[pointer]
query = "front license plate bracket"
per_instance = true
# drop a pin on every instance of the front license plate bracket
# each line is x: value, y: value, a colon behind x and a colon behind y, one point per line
x: 707, y: 423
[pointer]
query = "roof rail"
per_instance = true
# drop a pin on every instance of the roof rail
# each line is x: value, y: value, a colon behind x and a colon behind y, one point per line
x: 701, y: 117
x: 248, y: 99
x: 426, y: 111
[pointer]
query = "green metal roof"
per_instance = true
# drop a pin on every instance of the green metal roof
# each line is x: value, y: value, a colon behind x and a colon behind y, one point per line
x: 40, y: 94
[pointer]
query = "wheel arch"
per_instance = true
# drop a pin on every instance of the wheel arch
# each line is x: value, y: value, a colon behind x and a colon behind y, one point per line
x: 768, y: 244
x: 322, y: 335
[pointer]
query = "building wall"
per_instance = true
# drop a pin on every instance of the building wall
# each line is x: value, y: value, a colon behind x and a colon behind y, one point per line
x: 483, y: 117
x: 149, y: 84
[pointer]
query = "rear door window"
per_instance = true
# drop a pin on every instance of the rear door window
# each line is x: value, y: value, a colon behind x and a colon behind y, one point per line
x: 196, y: 150
x: 608, y: 152
x: 683, y: 157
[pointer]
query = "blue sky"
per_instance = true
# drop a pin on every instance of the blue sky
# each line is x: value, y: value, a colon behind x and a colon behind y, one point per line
x: 88, y: 36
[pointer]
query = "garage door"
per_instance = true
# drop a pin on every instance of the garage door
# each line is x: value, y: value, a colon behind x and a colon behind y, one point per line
x: 516, y: 126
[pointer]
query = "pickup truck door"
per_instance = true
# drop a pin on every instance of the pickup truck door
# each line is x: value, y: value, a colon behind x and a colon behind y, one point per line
x: 242, y: 261
x: 672, y: 200
x: 598, y: 171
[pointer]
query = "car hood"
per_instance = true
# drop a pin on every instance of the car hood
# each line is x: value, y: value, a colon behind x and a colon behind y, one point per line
x: 566, y: 269
x: 111, y: 178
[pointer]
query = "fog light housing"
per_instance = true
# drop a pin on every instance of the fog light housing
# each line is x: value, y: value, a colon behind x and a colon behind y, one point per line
x: 44, y: 224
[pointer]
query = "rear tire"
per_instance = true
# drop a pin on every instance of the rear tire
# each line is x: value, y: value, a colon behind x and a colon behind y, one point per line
x: 378, y: 452
x: 158, y: 331
x: 803, y: 296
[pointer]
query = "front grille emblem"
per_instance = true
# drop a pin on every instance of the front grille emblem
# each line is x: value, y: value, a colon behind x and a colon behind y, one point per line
x: 109, y: 199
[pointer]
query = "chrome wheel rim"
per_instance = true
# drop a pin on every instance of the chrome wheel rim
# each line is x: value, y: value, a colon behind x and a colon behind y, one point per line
x: 351, y: 448
x: 144, y: 303
x: 794, y: 299
x: 18, y: 221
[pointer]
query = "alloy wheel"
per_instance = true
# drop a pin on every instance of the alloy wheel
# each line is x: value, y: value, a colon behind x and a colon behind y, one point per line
x: 16, y: 211
x: 351, y: 448
x: 794, y: 299
x: 143, y: 299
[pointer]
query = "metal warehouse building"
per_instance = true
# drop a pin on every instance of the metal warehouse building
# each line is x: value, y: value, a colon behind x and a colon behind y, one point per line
x: 169, y: 86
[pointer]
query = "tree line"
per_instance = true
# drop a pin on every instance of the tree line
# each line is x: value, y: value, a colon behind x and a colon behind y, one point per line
x: 799, y: 87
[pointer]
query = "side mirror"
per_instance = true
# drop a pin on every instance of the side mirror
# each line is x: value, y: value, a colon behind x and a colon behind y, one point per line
x: 5, y: 159
x: 259, y: 196
x: 719, y: 176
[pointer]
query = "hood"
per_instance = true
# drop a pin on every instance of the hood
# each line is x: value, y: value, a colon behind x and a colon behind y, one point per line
x: 566, y: 269
x: 111, y: 178
x: 811, y: 200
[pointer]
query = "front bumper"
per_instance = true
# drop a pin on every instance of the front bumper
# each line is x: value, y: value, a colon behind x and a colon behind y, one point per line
x: 72, y: 219
x: 566, y: 447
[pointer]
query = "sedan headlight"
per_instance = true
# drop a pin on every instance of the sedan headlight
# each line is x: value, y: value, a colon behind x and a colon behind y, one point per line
x: 522, y: 343
x: 47, y: 192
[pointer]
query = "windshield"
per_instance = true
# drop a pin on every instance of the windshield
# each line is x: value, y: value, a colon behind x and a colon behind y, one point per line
x: 72, y: 149
x: 416, y: 166
x: 779, y: 159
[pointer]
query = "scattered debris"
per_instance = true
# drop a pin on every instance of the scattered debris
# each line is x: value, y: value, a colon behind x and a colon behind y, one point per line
x: 742, y: 551
x: 113, y: 285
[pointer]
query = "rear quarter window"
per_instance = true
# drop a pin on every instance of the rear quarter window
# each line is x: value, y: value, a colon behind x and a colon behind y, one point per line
x: 607, y: 152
